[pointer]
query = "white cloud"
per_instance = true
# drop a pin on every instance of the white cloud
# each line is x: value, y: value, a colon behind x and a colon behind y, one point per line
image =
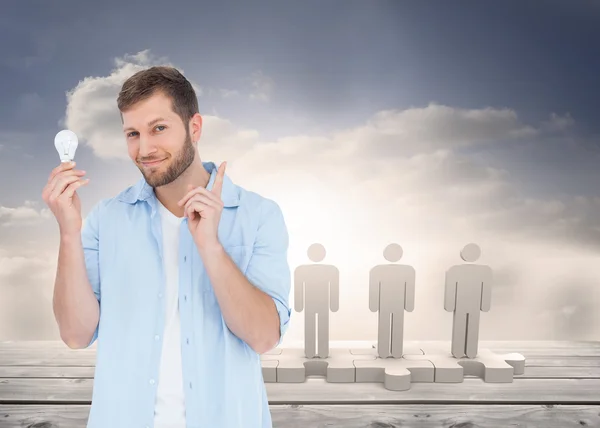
x: 25, y: 215
x: 228, y: 93
x: 224, y: 93
x: 262, y: 85
x: 425, y: 129
x: 558, y: 123
x: 27, y: 280
x: 30, y: 263
x: 406, y: 160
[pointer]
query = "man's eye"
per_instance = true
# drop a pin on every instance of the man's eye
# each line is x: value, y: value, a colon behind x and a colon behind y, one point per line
x: 130, y: 134
x: 160, y: 126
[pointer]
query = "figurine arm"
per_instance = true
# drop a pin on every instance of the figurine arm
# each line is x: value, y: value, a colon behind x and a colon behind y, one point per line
x: 334, y: 292
x: 298, y: 290
x: 486, y: 292
x: 450, y: 291
x: 409, y: 292
x: 373, y: 291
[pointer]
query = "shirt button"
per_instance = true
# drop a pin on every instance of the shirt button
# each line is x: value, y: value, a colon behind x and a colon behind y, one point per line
x: 156, y: 337
x: 185, y: 297
x: 159, y: 295
x: 151, y: 381
x: 187, y: 340
x: 184, y: 258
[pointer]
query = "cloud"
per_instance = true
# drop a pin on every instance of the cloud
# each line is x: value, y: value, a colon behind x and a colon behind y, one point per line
x: 559, y: 123
x: 223, y: 93
x: 407, y: 168
x: 426, y: 129
x: 408, y: 161
x: 31, y: 263
x: 25, y: 215
x: 27, y: 280
x: 263, y: 86
x: 228, y: 93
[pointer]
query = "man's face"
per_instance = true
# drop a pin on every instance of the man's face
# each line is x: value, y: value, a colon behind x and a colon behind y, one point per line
x: 161, y: 149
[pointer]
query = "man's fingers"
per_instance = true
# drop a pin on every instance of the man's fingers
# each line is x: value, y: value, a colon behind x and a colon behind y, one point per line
x: 64, y: 166
x: 65, y: 175
x: 194, y: 209
x: 218, y: 185
x: 199, y: 191
x: 61, y: 185
x: 71, y: 188
x: 202, y: 199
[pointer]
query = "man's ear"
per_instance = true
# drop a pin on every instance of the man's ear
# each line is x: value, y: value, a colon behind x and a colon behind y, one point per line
x: 196, y: 127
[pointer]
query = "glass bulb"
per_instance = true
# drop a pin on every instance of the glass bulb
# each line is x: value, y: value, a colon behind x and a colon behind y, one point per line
x: 66, y: 144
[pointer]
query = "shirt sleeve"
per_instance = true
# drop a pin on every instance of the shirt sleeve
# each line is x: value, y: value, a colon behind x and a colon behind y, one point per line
x: 90, y: 242
x: 268, y: 268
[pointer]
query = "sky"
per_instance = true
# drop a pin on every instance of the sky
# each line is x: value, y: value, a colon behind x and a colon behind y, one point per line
x: 420, y: 123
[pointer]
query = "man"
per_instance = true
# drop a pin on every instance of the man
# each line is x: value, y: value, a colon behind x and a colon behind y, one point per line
x: 183, y: 277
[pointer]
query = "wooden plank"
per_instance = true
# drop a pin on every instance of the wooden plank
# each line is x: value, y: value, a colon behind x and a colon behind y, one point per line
x: 57, y: 354
x: 46, y: 371
x: 433, y: 416
x: 350, y: 416
x: 53, y: 357
x: 531, y: 372
x: 553, y: 352
x: 543, y: 361
x: 80, y: 358
x: 560, y: 373
x: 517, y: 344
x: 317, y: 390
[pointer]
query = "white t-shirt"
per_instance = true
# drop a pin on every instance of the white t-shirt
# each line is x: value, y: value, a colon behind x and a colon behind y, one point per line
x: 169, y: 411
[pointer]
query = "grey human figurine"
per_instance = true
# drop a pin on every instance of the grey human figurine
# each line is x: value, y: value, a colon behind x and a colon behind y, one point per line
x: 391, y: 292
x: 316, y: 291
x: 468, y: 291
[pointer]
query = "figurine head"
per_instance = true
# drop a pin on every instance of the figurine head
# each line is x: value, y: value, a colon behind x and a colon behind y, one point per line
x: 393, y: 252
x: 470, y: 253
x: 316, y: 252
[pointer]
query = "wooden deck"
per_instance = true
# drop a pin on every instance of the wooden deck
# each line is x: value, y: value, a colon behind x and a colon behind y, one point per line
x: 48, y: 385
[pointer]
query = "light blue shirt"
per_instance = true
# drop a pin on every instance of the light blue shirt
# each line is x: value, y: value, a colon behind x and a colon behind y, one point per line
x: 222, y: 375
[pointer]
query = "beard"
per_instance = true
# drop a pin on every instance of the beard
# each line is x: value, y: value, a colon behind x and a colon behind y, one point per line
x: 179, y: 164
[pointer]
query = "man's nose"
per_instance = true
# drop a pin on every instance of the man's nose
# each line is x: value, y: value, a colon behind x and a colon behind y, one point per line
x: 146, y: 147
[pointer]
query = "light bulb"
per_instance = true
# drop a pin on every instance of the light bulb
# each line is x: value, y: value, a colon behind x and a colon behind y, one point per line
x: 66, y: 144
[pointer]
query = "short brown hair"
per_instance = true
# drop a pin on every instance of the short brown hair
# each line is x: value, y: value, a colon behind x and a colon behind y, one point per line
x: 168, y: 80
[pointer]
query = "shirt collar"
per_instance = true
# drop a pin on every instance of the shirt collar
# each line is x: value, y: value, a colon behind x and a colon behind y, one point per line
x: 142, y: 191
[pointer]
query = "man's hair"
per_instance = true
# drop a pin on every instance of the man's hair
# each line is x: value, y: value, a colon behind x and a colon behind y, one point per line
x: 160, y: 79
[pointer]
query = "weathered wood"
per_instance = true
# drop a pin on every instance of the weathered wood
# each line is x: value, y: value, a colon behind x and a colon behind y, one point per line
x: 51, y: 357
x: 46, y: 384
x: 560, y: 367
x: 560, y: 373
x: 57, y: 354
x: 47, y: 371
x: 543, y: 361
x: 350, y: 416
x: 553, y: 352
x: 317, y: 390
x: 531, y: 372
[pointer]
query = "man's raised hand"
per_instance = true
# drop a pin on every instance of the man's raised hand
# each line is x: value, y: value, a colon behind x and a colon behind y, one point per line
x: 60, y: 195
